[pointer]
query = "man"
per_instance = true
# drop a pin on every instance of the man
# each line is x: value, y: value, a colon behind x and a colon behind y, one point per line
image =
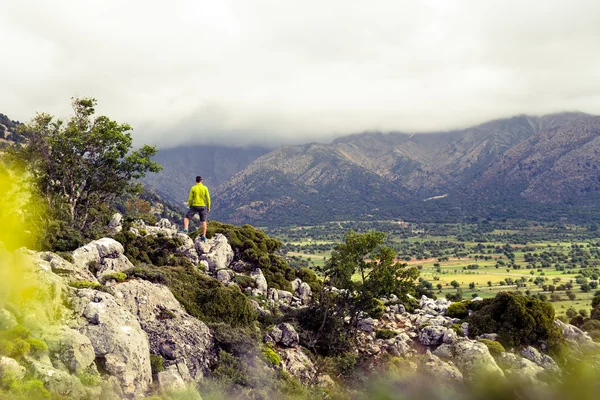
x: 199, y: 202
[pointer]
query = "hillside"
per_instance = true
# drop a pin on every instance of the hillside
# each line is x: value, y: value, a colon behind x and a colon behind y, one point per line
x: 216, y: 164
x: 544, y: 162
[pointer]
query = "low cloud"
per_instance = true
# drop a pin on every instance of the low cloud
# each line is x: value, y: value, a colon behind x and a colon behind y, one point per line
x: 275, y: 72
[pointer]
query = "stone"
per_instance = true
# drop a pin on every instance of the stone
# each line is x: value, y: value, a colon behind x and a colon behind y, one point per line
x: 450, y: 336
x: 56, y: 381
x: 273, y: 295
x: 489, y: 336
x: 7, y: 320
x: 170, y: 380
x: 285, y: 297
x: 296, y: 363
x: 295, y: 284
x: 446, y: 372
x: 216, y: 251
x: 173, y: 334
x: 304, y: 292
x: 471, y: 357
x: 432, y: 335
x: 465, y: 328
x: 188, y: 248
x: 70, y: 272
x: 225, y: 276
x: 520, y: 369
x: 289, y: 336
x: 366, y: 324
x: 241, y: 266
x: 9, y: 366
x: 69, y: 348
x: 165, y: 224
x: 116, y: 223
x: 543, y: 360
x: 106, y: 255
x: 120, y: 345
x: 261, y: 281
x: 273, y: 336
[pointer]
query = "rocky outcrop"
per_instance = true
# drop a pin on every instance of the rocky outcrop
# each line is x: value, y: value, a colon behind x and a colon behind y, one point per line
x: 261, y: 283
x: 115, y: 224
x: 216, y: 251
x: 10, y: 367
x: 544, y: 361
x: 71, y: 350
x: 295, y: 362
x: 120, y: 345
x: 103, y: 256
x: 283, y: 334
x: 520, y: 369
x: 184, y: 342
x: 471, y: 357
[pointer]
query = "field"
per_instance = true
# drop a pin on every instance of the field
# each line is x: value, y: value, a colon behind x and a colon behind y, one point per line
x: 556, y: 262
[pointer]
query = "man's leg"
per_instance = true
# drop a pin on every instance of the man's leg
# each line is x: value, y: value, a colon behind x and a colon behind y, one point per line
x: 204, y: 228
x: 186, y: 223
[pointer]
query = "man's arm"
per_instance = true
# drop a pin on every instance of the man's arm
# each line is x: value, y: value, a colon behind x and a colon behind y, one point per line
x: 207, y: 200
x: 191, y: 197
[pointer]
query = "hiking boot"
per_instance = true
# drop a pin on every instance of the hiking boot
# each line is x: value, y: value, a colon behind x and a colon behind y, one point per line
x: 183, y: 231
x: 203, y: 238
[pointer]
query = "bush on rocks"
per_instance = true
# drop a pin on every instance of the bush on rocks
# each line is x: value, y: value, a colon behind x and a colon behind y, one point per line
x: 494, y: 347
x: 257, y: 249
x: 458, y: 310
x: 518, y: 320
x: 155, y: 250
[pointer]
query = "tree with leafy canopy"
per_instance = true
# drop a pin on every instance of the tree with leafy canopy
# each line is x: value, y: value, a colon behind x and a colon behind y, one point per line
x: 345, y: 298
x: 82, y: 164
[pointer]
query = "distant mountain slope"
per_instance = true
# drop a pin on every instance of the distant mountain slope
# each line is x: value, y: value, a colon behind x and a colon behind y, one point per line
x: 8, y: 131
x: 550, y: 159
x: 215, y: 164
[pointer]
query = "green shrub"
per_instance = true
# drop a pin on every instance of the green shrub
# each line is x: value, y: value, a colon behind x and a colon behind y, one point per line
x: 310, y: 277
x: 258, y: 249
x: 87, y: 285
x: 457, y: 310
x: 244, y: 281
x: 235, y: 340
x: 518, y: 320
x: 6, y: 347
x: 207, y: 299
x: 385, y: 334
x: 494, y: 347
x: 117, y: 276
x: 147, y: 273
x: 271, y: 357
x: 155, y: 250
x: 37, y: 346
x: 375, y: 309
x: 20, y: 348
x: 157, y: 363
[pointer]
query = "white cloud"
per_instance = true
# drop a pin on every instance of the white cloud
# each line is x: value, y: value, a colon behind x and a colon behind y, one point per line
x: 283, y: 71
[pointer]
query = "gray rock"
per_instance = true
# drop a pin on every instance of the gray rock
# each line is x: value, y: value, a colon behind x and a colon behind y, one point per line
x: 578, y: 340
x: 471, y: 357
x: 69, y: 348
x: 285, y: 297
x: 446, y: 372
x: 450, y: 336
x: 261, y: 281
x: 187, y: 249
x: 116, y: 223
x: 465, y: 328
x: 107, y: 254
x: 120, y: 345
x: 520, y: 369
x: 489, y: 336
x: 543, y: 360
x: 9, y: 366
x: 173, y: 334
x: 165, y: 224
x: 273, y: 295
x: 304, y: 292
x: 216, y: 251
x: 273, y: 336
x: 241, y: 266
x: 297, y: 364
x: 432, y: 335
x: 170, y: 380
x: 289, y: 336
x: 56, y: 381
x: 366, y: 324
x: 70, y: 272
x: 225, y: 276
x: 296, y: 284
x: 7, y: 320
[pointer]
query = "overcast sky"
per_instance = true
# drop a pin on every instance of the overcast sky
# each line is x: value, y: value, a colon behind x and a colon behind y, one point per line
x: 279, y: 71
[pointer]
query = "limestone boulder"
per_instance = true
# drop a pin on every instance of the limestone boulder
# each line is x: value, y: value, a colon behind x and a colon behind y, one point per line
x: 261, y: 281
x: 295, y: 362
x: 184, y: 342
x: 432, y: 335
x: 471, y: 357
x: 520, y: 369
x: 216, y: 251
x: 56, y: 381
x: 540, y: 359
x: 104, y: 256
x: 121, y: 347
x: 443, y: 372
x: 10, y: 366
x: 69, y: 349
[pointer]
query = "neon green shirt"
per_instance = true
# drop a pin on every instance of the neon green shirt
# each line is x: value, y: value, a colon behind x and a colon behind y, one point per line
x: 199, y: 196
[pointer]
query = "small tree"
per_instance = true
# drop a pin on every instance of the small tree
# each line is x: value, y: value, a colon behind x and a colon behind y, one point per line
x: 455, y: 284
x: 83, y: 164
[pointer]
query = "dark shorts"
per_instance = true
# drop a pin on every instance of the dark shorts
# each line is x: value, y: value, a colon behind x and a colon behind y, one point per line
x: 196, y: 210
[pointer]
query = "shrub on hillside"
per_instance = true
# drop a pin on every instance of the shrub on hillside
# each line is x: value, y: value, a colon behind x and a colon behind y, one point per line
x: 155, y: 250
x: 518, y: 320
x: 458, y: 310
x: 258, y: 249
x: 494, y: 347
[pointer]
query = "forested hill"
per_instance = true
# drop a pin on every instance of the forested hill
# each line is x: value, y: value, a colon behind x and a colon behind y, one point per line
x: 531, y: 165
x: 8, y: 129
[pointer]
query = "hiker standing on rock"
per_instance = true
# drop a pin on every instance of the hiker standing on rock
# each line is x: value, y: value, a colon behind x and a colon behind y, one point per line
x: 199, y: 202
